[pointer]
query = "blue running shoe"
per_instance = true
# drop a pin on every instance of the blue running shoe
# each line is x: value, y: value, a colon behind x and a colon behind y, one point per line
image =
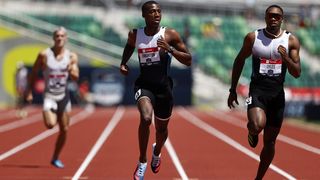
x: 139, y: 172
x: 156, y: 161
x: 57, y: 163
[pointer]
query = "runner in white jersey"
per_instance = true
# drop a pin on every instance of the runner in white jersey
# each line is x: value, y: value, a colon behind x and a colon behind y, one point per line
x: 57, y: 64
x: 153, y: 88
x: 21, y: 87
x: 274, y: 51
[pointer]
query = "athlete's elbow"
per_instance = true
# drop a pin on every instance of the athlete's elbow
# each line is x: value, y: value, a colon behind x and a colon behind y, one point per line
x: 296, y: 74
x: 188, y: 63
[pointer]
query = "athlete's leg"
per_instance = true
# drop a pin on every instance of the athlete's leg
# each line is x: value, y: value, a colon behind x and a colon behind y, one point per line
x: 256, y: 120
x: 268, y: 151
x: 49, y: 112
x: 50, y: 119
x: 161, y: 134
x: 146, y: 112
x: 63, y: 120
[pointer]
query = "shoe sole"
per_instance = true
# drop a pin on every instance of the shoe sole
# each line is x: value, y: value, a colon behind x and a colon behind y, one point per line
x: 253, y: 140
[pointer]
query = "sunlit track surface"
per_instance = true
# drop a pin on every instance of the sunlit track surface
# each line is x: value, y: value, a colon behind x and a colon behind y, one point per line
x: 103, y: 144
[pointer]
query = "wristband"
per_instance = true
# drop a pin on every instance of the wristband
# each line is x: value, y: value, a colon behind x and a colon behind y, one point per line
x: 171, y: 49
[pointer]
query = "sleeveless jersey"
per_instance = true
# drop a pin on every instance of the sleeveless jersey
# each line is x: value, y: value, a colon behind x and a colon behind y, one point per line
x: 154, y: 62
x: 56, y: 75
x: 268, y: 68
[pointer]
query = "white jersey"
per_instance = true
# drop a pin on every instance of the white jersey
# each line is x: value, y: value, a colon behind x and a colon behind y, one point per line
x: 56, y: 75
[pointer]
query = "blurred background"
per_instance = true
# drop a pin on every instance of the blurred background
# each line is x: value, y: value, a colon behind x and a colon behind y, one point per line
x: 212, y: 29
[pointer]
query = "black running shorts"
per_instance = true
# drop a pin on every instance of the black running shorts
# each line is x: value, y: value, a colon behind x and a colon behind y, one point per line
x: 272, y: 104
x: 161, y: 97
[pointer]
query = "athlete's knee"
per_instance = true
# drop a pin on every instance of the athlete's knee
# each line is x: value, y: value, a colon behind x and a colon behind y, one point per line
x: 162, y: 130
x: 49, y: 125
x: 64, y: 129
x: 270, y: 145
x: 146, y: 119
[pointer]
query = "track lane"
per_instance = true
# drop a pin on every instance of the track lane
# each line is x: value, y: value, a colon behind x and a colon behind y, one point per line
x: 202, y: 156
x: 285, y: 153
x: 35, y: 158
x: 222, y: 158
x: 119, y: 155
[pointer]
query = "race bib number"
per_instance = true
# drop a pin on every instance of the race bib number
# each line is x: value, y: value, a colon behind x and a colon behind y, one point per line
x: 57, y: 80
x: 270, y: 67
x: 248, y: 101
x: 149, y: 56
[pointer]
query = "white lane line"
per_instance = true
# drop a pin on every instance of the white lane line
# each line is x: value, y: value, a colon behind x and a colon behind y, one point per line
x: 176, y: 160
x: 20, y: 123
x: 103, y: 137
x: 8, y: 114
x: 174, y: 157
x: 78, y: 117
x: 238, y: 122
x: 12, y: 113
x: 299, y: 144
x: 211, y: 130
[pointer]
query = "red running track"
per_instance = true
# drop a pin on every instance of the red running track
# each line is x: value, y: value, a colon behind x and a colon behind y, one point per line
x: 102, y: 145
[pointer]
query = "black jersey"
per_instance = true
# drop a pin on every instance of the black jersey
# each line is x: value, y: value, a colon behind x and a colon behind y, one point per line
x: 268, y: 68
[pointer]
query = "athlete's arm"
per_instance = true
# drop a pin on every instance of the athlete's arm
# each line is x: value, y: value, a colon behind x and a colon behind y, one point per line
x: 34, y: 73
x: 293, y: 59
x: 128, y: 51
x: 238, y: 64
x: 73, y: 67
x: 179, y: 50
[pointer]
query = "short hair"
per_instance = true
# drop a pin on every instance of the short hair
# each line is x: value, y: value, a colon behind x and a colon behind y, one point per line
x: 61, y: 28
x: 274, y: 6
x: 146, y: 4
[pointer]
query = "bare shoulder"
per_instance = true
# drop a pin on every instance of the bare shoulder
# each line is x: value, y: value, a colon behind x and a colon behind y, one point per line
x: 171, y: 32
x: 250, y: 36
x: 42, y: 56
x: 171, y: 35
x: 43, y: 53
x: 73, y: 56
x: 132, y: 37
x: 293, y: 39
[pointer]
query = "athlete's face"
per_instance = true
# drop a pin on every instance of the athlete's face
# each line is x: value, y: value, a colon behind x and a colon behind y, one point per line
x: 60, y: 38
x: 152, y: 14
x: 274, y: 18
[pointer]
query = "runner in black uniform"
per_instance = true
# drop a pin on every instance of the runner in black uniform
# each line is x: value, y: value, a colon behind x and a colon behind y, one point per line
x: 274, y: 51
x: 153, y: 88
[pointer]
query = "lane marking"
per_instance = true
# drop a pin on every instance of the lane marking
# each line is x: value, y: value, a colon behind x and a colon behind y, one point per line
x: 238, y: 122
x: 20, y: 123
x: 174, y: 157
x: 176, y: 160
x: 103, y: 137
x: 211, y: 130
x: 75, y: 119
x: 12, y: 113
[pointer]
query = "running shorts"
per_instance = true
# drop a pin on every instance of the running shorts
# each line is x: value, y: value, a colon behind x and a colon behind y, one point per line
x: 161, y: 97
x: 272, y: 104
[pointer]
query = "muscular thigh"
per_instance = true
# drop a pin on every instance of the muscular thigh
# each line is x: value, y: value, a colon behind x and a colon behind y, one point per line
x: 54, y: 111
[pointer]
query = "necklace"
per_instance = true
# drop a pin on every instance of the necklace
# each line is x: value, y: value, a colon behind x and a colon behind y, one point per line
x: 275, y: 36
